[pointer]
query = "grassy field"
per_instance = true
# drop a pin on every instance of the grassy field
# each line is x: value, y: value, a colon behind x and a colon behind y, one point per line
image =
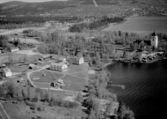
x: 22, y: 111
x: 49, y: 77
x: 74, y: 78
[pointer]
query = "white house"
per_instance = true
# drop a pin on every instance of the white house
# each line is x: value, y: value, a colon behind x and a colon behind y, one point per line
x: 59, y: 66
x: 14, y: 49
x: 154, y: 40
x: 6, y: 72
x: 58, y: 83
x: 77, y: 60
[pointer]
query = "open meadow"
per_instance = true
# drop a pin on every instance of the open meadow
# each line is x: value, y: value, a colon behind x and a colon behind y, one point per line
x: 74, y: 78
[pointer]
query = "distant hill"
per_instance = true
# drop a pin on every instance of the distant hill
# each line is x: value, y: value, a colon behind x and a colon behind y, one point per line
x: 25, y: 8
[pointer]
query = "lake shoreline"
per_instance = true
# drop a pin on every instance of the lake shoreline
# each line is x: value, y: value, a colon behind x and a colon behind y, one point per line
x: 141, y: 25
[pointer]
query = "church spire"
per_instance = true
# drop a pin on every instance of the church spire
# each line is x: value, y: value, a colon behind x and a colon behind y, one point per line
x: 153, y: 34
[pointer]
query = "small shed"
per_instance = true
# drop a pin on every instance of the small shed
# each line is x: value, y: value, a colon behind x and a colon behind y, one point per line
x: 6, y: 72
x: 14, y: 49
x: 32, y: 66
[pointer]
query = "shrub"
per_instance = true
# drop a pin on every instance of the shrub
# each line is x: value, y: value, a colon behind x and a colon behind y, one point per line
x: 40, y: 108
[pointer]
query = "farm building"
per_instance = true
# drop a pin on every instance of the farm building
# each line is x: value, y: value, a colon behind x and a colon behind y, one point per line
x: 45, y: 57
x: 32, y: 66
x: 60, y: 58
x: 6, y: 72
x: 59, y: 66
x: 77, y: 60
x: 14, y: 49
x: 58, y: 83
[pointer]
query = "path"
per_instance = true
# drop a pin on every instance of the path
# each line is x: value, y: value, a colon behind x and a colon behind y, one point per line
x: 54, y: 89
x: 3, y: 112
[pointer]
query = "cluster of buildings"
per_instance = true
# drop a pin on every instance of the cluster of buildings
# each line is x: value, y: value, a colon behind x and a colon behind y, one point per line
x: 61, y: 63
x: 153, y: 42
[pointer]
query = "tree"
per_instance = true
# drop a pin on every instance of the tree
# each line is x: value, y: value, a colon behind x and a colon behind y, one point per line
x: 79, y: 97
x: 10, y: 59
x: 3, y: 41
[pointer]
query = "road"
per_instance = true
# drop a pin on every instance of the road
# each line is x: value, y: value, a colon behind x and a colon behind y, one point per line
x: 44, y: 67
x: 3, y: 112
x: 7, y: 32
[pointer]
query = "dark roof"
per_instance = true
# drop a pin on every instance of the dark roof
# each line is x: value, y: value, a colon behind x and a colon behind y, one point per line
x: 153, y: 34
x: 146, y: 42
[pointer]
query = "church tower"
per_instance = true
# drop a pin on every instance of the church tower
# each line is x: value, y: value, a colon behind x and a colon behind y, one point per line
x: 154, y: 40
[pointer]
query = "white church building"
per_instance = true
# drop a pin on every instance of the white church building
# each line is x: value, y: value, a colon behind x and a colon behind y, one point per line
x: 154, y: 40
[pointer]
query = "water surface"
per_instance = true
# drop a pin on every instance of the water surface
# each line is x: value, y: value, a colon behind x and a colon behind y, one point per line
x: 141, y: 25
x: 146, y: 87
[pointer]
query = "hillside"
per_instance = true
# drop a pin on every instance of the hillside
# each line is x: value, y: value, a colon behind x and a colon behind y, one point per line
x: 54, y: 7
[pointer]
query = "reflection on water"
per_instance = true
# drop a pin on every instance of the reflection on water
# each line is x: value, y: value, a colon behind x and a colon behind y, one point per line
x: 141, y: 25
x: 145, y: 87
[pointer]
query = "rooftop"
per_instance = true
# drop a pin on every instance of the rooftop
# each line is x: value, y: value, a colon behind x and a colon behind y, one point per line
x: 60, y: 64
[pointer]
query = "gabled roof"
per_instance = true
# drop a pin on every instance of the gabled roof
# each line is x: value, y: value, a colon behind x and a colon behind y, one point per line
x: 147, y: 42
x: 153, y: 34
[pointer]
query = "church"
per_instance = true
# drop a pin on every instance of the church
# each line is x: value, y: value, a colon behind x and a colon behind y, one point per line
x: 153, y: 42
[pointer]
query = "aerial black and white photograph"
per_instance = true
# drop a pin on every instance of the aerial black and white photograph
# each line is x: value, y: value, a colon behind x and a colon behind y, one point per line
x: 83, y: 59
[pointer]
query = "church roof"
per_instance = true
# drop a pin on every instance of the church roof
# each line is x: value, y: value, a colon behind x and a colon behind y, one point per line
x: 153, y: 34
x: 146, y: 42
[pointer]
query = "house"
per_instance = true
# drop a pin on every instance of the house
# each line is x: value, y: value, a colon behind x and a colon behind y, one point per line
x: 14, y: 49
x: 44, y: 57
x: 6, y: 72
x: 58, y: 83
x: 32, y: 66
x: 62, y: 66
x: 77, y: 60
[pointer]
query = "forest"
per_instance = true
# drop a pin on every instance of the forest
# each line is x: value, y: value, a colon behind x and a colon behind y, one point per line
x: 12, y: 22
x: 102, y: 22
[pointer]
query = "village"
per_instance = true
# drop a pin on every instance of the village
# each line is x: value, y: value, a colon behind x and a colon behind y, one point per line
x: 64, y: 75
x: 69, y: 72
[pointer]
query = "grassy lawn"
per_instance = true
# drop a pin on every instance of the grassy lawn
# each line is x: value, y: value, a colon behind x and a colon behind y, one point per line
x: 75, y: 86
x: 23, y: 111
x: 75, y: 68
x: 73, y: 79
x: 21, y: 68
x: 58, y: 75
x: 1, y: 117
x: 42, y: 85
x: 49, y: 77
x: 18, y: 111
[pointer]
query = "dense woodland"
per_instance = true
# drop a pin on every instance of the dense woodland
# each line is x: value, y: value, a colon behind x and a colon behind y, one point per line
x: 97, y: 89
x: 31, y: 21
x: 104, y: 21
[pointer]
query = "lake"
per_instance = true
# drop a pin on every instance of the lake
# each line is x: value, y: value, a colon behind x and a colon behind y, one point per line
x: 145, y: 87
x: 141, y: 25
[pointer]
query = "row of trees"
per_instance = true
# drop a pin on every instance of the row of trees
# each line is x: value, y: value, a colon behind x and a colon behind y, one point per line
x: 9, y: 91
x: 95, y: 24
x: 97, y: 89
x: 31, y: 21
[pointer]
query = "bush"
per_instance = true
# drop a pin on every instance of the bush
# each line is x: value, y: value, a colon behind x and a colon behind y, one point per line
x: 61, y: 103
x: 41, y: 108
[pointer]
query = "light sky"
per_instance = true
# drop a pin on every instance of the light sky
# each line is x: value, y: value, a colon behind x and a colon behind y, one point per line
x: 2, y: 1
